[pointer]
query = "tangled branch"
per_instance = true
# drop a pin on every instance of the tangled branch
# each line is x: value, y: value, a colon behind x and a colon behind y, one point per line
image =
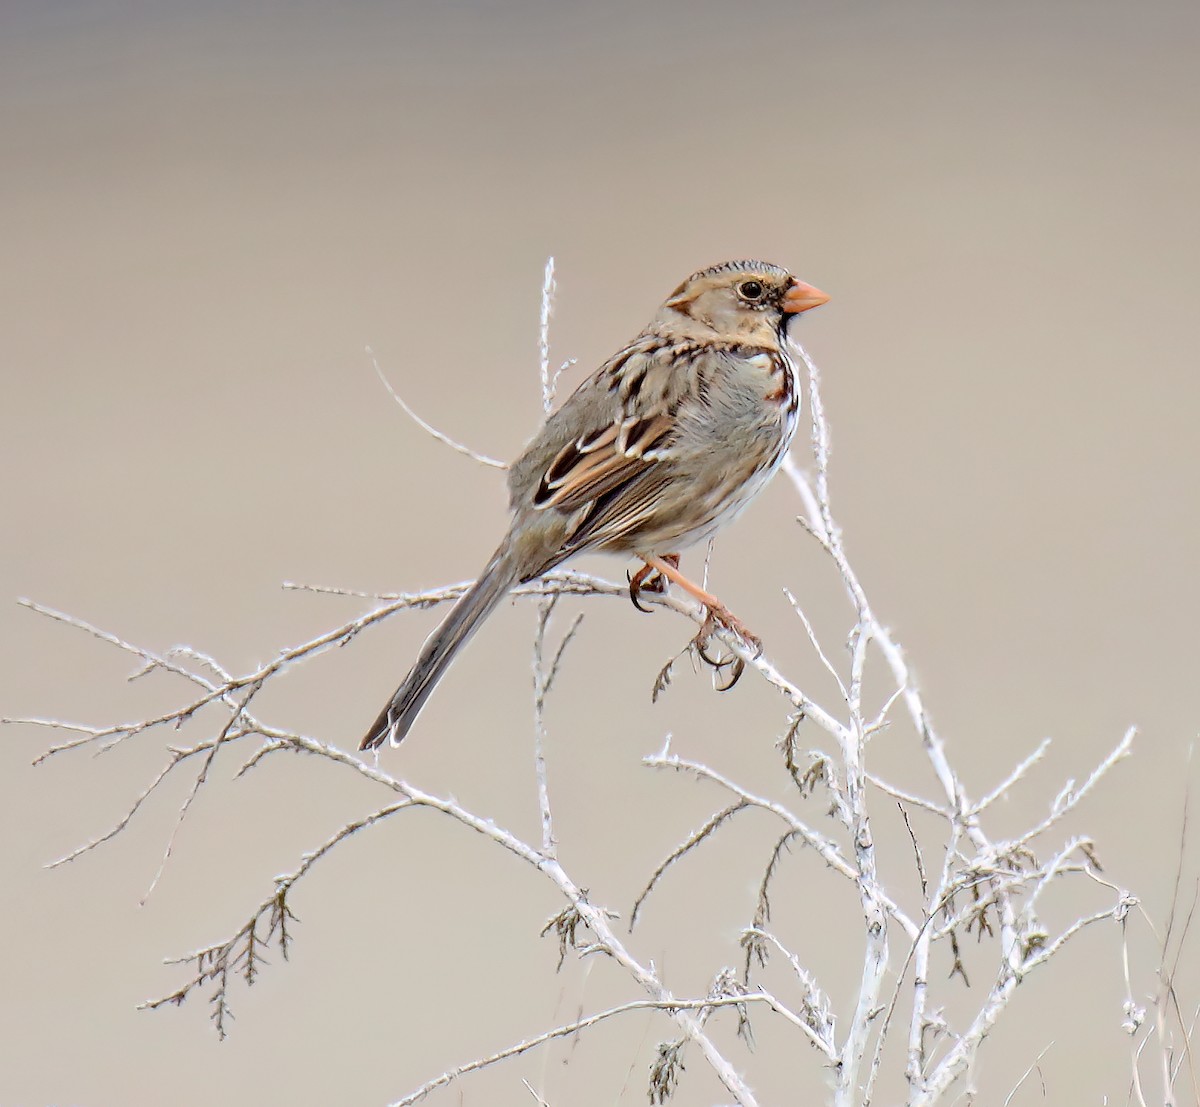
x: 973, y: 882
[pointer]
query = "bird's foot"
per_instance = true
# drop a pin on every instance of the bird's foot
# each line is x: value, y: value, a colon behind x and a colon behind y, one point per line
x: 727, y: 671
x: 719, y: 615
x: 649, y: 578
x: 716, y: 615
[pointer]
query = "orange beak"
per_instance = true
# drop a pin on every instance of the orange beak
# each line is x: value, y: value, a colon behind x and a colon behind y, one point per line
x: 800, y: 297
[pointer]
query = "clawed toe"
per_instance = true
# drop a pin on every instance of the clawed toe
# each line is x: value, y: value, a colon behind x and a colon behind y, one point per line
x: 736, y: 665
x: 717, y: 615
x: 730, y: 622
x: 639, y: 583
x: 649, y: 579
x: 653, y: 577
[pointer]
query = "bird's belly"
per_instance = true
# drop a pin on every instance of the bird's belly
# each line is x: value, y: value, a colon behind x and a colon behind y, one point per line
x: 718, y: 488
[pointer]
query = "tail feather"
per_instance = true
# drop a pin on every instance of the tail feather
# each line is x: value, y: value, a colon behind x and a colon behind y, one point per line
x: 439, y: 651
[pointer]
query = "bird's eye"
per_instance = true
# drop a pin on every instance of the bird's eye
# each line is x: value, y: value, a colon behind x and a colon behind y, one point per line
x: 751, y: 290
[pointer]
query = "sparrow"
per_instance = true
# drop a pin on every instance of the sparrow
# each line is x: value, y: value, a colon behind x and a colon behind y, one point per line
x: 668, y: 441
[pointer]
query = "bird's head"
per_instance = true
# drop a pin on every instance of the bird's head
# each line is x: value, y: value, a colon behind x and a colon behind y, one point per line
x: 739, y: 301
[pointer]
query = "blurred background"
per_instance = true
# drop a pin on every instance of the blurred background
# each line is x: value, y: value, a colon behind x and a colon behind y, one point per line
x: 209, y: 211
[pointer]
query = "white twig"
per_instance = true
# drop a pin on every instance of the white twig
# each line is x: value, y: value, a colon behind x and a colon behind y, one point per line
x: 812, y: 637
x: 817, y: 1020
x: 825, y: 847
x: 1006, y: 785
x: 547, y: 309
x: 568, y: 1029
x: 907, y: 797
x: 1071, y: 797
x: 197, y: 784
x: 543, y: 680
x: 1033, y: 1065
x: 993, y: 888
x: 429, y: 428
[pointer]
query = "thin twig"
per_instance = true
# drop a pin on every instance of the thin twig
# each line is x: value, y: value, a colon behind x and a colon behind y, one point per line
x: 429, y: 428
x: 568, y: 1029
x: 547, y: 309
x: 686, y: 846
x: 541, y: 685
x: 825, y: 847
x: 1033, y: 1065
x: 197, y: 784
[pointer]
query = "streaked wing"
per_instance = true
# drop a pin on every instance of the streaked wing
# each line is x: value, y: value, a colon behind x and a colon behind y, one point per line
x: 596, y: 463
x: 622, y: 512
x: 634, y: 426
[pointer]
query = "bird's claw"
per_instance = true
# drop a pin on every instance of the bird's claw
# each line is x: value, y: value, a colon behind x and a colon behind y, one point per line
x: 645, y: 579
x: 735, y: 664
x: 649, y: 579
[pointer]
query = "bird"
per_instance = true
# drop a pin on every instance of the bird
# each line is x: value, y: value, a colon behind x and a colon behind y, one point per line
x: 664, y: 444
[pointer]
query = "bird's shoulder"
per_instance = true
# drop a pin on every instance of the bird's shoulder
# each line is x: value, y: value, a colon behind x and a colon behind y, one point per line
x: 629, y: 403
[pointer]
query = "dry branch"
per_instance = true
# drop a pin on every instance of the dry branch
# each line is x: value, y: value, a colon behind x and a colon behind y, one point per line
x: 973, y: 882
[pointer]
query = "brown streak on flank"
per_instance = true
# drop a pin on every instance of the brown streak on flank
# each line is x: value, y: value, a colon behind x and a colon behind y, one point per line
x: 784, y: 391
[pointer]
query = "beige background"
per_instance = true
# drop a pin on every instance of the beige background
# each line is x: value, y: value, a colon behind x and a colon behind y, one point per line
x: 209, y: 210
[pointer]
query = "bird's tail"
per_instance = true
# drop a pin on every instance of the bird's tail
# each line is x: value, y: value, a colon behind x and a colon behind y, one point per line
x: 440, y: 649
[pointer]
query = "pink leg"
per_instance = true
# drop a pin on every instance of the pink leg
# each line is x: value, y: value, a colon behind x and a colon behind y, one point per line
x: 716, y: 609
